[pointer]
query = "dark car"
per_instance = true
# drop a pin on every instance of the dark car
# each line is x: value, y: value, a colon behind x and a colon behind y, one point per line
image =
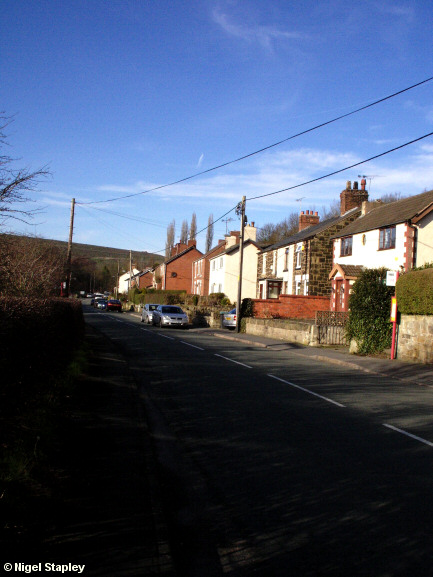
x: 114, y: 305
x: 101, y: 304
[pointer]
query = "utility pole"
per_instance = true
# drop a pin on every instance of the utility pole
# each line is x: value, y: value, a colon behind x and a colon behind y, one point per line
x: 130, y: 274
x: 69, y: 253
x: 240, y: 210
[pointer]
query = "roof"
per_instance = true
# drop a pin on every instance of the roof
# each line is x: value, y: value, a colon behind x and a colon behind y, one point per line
x: 216, y: 250
x: 405, y: 210
x: 311, y: 231
x: 171, y: 259
x: 347, y: 271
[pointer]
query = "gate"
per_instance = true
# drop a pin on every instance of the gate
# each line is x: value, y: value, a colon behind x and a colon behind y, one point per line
x: 330, y: 325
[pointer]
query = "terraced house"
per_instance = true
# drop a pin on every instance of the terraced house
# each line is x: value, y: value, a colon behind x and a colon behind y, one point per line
x: 300, y: 264
x: 397, y: 236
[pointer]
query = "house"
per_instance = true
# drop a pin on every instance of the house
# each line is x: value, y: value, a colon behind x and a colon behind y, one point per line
x: 175, y: 273
x: 201, y: 269
x: 128, y: 281
x: 397, y: 236
x: 224, y: 266
x: 145, y: 279
x: 300, y: 264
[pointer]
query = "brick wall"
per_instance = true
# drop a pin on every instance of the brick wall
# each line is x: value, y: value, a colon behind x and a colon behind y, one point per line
x: 291, y: 306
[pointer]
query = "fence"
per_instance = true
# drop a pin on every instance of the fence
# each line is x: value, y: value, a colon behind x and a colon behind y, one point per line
x: 330, y: 325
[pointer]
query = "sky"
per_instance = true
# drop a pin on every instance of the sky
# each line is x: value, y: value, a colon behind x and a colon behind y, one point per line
x: 120, y: 98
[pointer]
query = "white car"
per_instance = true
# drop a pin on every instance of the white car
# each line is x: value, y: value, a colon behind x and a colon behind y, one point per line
x: 229, y: 319
x: 169, y: 315
x: 147, y: 313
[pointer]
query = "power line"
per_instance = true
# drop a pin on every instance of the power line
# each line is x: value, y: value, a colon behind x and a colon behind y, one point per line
x: 365, y: 107
x: 342, y: 169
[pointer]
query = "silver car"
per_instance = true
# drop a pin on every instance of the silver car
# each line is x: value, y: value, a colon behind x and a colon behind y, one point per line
x: 147, y: 313
x: 169, y: 315
x: 229, y: 319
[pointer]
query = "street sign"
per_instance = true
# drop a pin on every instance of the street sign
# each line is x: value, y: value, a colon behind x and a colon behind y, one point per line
x: 391, y: 277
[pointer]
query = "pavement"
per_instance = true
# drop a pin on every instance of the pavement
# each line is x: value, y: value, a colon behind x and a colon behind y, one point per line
x: 383, y: 365
x: 113, y: 520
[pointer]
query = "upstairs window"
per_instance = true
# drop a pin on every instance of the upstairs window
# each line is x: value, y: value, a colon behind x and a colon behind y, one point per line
x: 387, y: 238
x: 346, y: 246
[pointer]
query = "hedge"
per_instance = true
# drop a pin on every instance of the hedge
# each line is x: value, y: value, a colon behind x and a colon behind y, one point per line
x: 414, y: 291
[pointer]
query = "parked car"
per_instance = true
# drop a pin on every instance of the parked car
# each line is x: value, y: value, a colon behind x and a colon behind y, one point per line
x: 147, y: 313
x: 229, y: 319
x: 114, y: 305
x: 101, y: 304
x: 95, y: 301
x: 169, y: 315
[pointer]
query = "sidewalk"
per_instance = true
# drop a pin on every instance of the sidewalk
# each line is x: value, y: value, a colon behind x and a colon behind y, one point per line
x: 109, y: 514
x: 411, y: 372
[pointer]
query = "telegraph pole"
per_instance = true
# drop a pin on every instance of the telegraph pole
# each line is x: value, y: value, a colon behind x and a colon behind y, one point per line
x: 240, y: 210
x: 69, y: 253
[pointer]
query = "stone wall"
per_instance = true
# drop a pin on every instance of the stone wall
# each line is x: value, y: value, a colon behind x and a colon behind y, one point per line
x: 292, y: 331
x: 415, y: 337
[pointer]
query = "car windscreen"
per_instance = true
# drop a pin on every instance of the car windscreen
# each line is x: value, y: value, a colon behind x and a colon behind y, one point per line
x: 172, y: 310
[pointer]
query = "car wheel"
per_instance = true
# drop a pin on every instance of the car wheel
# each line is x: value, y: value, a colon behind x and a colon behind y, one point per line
x: 142, y: 320
x: 160, y: 323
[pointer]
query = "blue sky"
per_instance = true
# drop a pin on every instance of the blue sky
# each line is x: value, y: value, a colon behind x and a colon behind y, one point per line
x: 119, y: 97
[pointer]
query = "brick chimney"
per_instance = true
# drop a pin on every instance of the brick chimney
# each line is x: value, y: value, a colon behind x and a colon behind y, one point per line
x: 353, y: 197
x: 308, y: 219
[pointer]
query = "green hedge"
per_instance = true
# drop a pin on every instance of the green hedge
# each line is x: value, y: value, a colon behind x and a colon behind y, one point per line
x: 370, y: 305
x: 414, y: 292
x: 160, y: 297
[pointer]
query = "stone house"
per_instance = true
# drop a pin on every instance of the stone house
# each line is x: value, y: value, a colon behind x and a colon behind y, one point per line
x: 300, y: 264
x: 397, y: 236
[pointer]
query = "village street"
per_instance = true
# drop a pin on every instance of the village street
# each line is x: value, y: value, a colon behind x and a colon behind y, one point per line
x: 272, y: 463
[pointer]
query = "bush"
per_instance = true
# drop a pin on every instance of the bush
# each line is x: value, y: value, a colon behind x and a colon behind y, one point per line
x: 414, y: 292
x: 247, y: 309
x: 370, y: 305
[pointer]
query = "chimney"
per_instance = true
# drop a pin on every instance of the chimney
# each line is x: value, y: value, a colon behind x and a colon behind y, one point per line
x: 308, y: 219
x: 352, y: 197
x: 250, y: 232
x: 192, y: 242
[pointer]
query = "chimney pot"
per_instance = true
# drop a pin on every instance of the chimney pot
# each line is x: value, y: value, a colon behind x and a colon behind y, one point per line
x: 348, y: 185
x: 355, y: 185
x: 363, y: 183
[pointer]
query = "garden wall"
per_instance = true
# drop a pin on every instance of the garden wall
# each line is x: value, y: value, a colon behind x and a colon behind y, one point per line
x: 415, y: 336
x: 291, y: 306
x: 292, y: 331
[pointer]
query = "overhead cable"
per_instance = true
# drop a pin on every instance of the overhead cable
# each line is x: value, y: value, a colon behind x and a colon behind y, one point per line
x: 265, y: 147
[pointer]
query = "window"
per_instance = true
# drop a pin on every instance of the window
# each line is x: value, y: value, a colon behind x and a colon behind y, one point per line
x: 298, y: 287
x: 213, y: 265
x: 346, y: 246
x: 286, y: 259
x: 221, y: 262
x: 298, y: 256
x: 387, y: 238
x: 274, y: 289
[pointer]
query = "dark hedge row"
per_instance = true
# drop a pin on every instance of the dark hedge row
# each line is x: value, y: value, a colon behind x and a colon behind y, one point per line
x: 37, y: 336
x: 414, y: 292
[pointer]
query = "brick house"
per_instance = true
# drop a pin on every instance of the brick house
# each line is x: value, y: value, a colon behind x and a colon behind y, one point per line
x: 300, y: 264
x: 146, y: 279
x: 201, y: 269
x: 175, y: 273
x: 397, y: 235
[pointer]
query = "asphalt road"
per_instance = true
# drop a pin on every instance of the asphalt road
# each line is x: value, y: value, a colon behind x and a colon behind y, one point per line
x: 272, y: 464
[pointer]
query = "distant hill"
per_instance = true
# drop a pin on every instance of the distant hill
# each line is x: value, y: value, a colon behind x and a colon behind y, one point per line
x: 141, y: 259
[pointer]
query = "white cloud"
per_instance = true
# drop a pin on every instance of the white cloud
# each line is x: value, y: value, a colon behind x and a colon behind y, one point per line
x: 264, y: 35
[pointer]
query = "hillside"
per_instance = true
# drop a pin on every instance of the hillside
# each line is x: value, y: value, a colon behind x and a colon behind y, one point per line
x: 102, y: 253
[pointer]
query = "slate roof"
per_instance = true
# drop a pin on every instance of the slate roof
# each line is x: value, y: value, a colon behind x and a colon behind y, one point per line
x: 174, y: 257
x: 311, y: 231
x: 390, y: 214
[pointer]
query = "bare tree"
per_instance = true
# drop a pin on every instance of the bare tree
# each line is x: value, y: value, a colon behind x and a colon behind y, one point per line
x: 272, y: 233
x: 209, y: 233
x: 193, y: 227
x: 30, y: 267
x: 15, y: 184
x: 169, y: 243
x: 184, y: 232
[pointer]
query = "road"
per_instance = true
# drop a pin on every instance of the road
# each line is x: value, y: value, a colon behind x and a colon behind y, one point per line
x: 272, y: 464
